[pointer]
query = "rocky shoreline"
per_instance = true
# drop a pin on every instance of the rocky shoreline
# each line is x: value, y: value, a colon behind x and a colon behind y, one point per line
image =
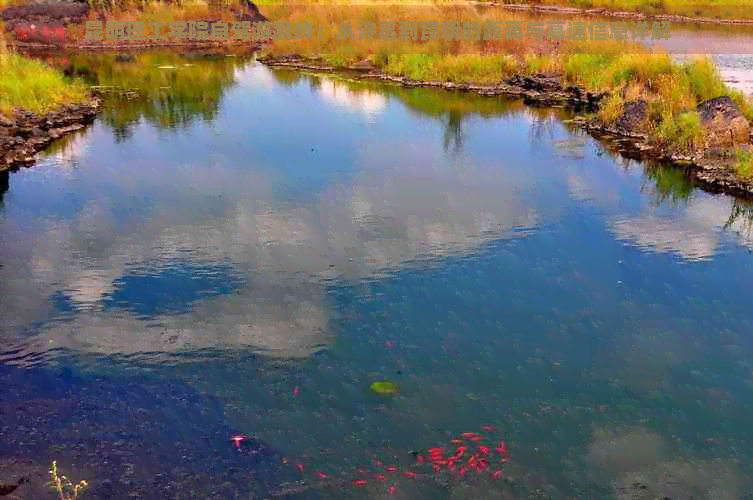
x: 25, y: 134
x: 711, y: 171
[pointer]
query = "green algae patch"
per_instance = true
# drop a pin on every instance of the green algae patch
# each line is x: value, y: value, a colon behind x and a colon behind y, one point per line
x: 384, y: 388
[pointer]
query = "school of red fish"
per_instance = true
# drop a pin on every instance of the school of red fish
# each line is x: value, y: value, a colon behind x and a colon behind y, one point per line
x: 469, y: 453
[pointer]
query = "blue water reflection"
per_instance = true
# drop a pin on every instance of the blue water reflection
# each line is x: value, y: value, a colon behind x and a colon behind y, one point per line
x: 316, y: 235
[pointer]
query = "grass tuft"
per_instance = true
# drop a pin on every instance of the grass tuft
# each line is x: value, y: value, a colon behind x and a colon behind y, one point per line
x: 33, y: 86
x: 65, y: 489
x: 744, y: 166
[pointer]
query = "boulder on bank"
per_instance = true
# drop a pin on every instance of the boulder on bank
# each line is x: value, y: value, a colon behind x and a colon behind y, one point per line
x: 634, y: 116
x: 723, y: 122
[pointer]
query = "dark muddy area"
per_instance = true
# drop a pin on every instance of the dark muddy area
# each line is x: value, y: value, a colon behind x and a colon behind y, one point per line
x: 128, y: 438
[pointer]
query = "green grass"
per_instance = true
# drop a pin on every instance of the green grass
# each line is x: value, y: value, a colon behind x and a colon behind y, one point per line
x: 713, y: 9
x: 744, y: 166
x: 33, y: 86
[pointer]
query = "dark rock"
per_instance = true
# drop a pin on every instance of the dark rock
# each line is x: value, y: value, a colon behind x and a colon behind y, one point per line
x: 538, y: 83
x: 7, y: 489
x: 723, y: 122
x: 26, y: 133
x: 251, y: 12
x: 634, y: 116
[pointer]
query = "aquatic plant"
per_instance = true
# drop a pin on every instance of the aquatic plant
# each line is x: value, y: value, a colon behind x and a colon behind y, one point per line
x: 384, y: 388
x: 65, y: 489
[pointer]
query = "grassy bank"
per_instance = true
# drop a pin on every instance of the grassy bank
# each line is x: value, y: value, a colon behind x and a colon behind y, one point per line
x: 712, y: 9
x: 626, y: 70
x: 33, y: 86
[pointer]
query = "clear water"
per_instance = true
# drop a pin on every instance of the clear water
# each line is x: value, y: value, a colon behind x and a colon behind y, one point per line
x: 243, y: 232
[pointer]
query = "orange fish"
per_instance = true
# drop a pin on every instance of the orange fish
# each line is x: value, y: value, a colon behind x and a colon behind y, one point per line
x: 502, y: 448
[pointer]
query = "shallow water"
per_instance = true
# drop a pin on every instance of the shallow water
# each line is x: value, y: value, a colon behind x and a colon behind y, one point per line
x: 236, y: 233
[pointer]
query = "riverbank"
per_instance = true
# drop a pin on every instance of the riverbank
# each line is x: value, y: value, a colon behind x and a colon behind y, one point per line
x: 718, y: 171
x: 37, y: 106
x: 674, y: 11
x: 666, y: 111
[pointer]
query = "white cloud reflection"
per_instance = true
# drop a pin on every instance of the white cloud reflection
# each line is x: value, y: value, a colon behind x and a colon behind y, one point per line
x: 693, y: 232
x: 408, y: 204
x: 364, y: 101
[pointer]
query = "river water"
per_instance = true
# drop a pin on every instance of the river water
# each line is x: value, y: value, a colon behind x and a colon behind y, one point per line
x: 244, y: 250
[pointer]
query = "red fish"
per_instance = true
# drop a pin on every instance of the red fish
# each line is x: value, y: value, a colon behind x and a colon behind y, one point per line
x: 484, y: 450
x: 488, y: 428
x: 482, y: 465
x: 460, y: 451
x: 497, y: 474
x: 321, y: 475
x: 410, y: 474
x: 391, y: 468
x: 502, y: 448
x: 300, y: 467
x: 392, y: 489
x: 457, y: 442
x: 469, y: 435
x: 380, y: 477
x: 420, y: 459
x: 237, y: 440
x: 360, y: 482
x: 378, y: 463
x: 462, y: 471
x: 297, y: 391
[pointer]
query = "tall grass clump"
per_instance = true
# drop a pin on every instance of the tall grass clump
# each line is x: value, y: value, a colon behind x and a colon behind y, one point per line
x: 64, y: 488
x: 33, y: 86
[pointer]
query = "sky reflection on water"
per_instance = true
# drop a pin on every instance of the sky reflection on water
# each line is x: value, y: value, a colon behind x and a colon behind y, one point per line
x: 333, y: 223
